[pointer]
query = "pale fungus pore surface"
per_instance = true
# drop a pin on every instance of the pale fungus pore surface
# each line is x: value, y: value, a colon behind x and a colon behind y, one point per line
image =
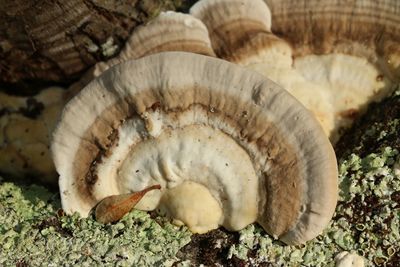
x: 26, y: 124
x: 200, y: 213
x: 349, y: 259
x: 334, y: 57
x: 257, y: 154
x: 296, y: 84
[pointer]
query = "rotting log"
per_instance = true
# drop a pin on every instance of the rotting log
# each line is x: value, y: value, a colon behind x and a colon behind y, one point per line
x: 54, y: 41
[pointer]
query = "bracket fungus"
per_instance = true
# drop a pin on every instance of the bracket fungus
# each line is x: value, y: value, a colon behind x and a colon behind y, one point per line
x: 24, y: 140
x: 26, y: 124
x: 227, y: 146
x: 333, y: 56
x: 169, y: 31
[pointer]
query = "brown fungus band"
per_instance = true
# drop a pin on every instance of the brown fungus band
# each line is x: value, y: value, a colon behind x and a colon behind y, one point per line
x: 335, y: 57
x: 228, y: 147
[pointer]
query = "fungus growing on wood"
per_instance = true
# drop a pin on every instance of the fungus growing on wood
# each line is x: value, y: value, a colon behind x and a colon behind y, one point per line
x: 335, y: 59
x: 246, y: 149
x: 26, y: 124
x: 169, y: 31
x: 24, y: 139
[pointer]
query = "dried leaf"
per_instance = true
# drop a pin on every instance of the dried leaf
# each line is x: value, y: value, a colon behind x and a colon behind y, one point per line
x: 113, y: 208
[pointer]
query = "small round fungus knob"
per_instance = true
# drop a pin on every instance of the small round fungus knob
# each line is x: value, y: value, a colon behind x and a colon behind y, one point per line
x: 193, y: 205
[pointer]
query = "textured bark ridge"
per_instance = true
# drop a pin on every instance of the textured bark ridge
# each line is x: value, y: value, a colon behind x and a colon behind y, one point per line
x: 55, y: 40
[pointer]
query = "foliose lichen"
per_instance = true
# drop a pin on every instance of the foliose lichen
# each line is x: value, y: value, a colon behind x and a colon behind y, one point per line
x: 34, y: 233
x: 367, y: 219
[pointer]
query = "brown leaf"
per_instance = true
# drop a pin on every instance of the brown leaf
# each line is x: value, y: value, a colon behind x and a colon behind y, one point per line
x: 113, y: 208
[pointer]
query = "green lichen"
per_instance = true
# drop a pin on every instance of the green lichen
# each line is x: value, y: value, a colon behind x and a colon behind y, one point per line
x: 367, y: 219
x: 32, y: 232
x: 108, y: 48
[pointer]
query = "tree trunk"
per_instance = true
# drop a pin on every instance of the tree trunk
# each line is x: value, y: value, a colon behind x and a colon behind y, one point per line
x: 51, y: 41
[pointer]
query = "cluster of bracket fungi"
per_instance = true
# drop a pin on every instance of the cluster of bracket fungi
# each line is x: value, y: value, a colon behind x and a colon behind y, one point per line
x: 227, y: 145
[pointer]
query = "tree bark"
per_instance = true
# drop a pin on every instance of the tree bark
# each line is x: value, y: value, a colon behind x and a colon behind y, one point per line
x: 56, y: 40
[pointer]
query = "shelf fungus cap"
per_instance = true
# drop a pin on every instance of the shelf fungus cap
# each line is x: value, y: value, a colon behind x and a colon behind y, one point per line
x: 169, y: 31
x: 364, y: 28
x: 240, y: 30
x: 347, y: 53
x: 227, y: 146
x: 351, y: 47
